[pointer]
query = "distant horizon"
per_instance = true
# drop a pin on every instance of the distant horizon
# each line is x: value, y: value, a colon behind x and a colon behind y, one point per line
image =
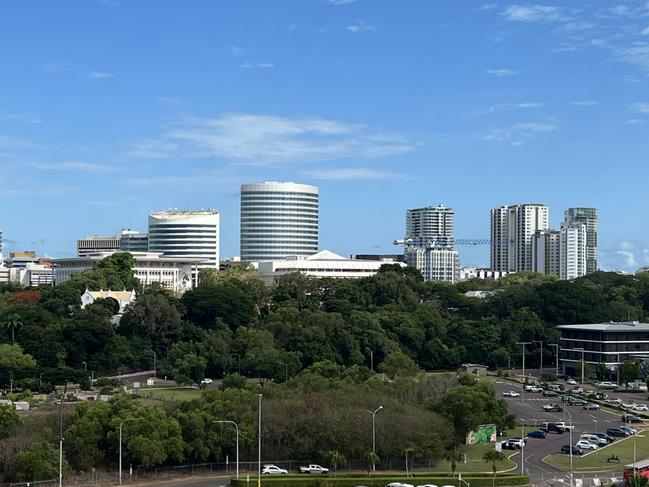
x: 111, y: 108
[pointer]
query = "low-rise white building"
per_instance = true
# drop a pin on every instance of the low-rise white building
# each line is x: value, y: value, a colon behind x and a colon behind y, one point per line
x: 467, y: 273
x: 322, y: 264
x: 123, y: 298
x: 172, y: 273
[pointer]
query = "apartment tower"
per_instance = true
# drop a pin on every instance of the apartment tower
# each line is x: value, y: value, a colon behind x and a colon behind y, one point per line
x: 589, y: 217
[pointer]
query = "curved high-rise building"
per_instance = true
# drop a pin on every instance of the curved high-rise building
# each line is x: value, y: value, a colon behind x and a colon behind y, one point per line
x: 278, y: 220
x: 186, y: 234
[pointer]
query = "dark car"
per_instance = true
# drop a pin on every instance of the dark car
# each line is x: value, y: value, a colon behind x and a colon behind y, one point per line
x: 576, y: 402
x: 550, y: 393
x: 537, y: 434
x: 608, y: 438
x: 575, y: 451
x: 628, y: 429
x: 619, y: 432
x: 553, y: 428
x: 630, y: 418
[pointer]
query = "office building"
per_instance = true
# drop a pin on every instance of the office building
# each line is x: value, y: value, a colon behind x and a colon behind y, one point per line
x: 589, y: 217
x: 572, y: 250
x: 546, y: 252
x: 278, y: 220
x: 321, y: 264
x: 173, y: 273
x: 429, y: 243
x: 191, y: 235
x: 133, y: 241
x: 96, y: 243
x: 512, y: 227
x: 603, y: 344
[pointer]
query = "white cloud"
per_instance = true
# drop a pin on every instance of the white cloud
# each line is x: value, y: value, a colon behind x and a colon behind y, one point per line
x: 9, y: 142
x: 342, y: 2
x: 18, y: 117
x: 500, y: 72
x: 99, y: 75
x: 173, y: 101
x: 645, y: 32
x: 488, y: 6
x: 584, y: 103
x: 53, y: 67
x: 535, y: 13
x: 361, y: 26
x: 253, y: 65
x: 637, y: 54
x: 267, y: 140
x: 625, y: 256
x: 634, y: 121
x: 518, y: 133
x: 510, y: 106
x: 642, y: 107
x: 71, y: 166
x: 353, y: 174
x: 236, y: 51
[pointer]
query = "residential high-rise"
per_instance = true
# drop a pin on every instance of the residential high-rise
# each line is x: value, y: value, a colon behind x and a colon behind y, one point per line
x: 278, y: 220
x: 589, y: 217
x: 545, y: 252
x: 429, y: 243
x: 572, y: 250
x: 512, y: 227
x: 186, y: 234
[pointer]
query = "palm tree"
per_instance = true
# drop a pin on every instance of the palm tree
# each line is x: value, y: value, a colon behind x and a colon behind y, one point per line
x: 493, y: 456
x: 13, y: 322
x: 336, y: 459
x: 408, y: 451
x: 372, y: 459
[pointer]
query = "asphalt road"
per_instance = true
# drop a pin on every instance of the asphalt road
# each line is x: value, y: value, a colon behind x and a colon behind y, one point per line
x: 528, y: 409
x: 220, y: 481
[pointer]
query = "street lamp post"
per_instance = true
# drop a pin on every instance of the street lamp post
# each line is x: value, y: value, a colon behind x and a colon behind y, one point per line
x: 85, y: 366
x: 541, y: 342
x: 571, y: 445
x: 154, y: 363
x: 237, y: 428
x: 259, y: 445
x: 582, y: 362
x: 121, y: 425
x: 65, y: 390
x: 556, y: 369
x: 368, y: 349
x: 373, y: 413
x: 523, y: 384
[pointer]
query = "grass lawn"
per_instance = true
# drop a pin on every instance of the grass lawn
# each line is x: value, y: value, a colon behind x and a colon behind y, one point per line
x: 171, y: 393
x: 623, y: 448
x: 474, y: 463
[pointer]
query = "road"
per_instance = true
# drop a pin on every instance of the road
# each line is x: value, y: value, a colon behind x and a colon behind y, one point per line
x: 220, y: 481
x: 528, y: 409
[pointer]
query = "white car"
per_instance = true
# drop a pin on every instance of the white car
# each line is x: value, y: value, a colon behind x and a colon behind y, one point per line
x: 427, y: 485
x: 578, y: 390
x: 399, y: 484
x: 511, y: 394
x: 628, y: 405
x: 273, y: 470
x: 586, y: 445
x: 207, y: 381
x: 571, y: 382
x: 641, y: 407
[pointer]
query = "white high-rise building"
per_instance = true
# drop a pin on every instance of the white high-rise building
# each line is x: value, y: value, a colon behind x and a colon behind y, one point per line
x: 589, y: 217
x: 96, y: 243
x: 429, y: 243
x: 512, y: 227
x: 545, y: 252
x: 185, y: 234
x: 572, y: 252
x: 278, y: 220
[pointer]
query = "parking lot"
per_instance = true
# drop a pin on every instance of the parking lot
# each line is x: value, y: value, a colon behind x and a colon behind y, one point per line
x: 528, y: 409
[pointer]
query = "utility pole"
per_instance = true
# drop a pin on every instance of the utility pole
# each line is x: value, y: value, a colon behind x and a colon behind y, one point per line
x: 65, y: 391
x: 524, y: 376
x: 259, y: 446
x: 582, y: 362
x: 556, y: 347
x: 373, y: 413
x: 541, y: 342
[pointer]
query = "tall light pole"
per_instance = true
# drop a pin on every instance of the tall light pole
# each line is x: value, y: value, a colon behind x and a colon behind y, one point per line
x: 582, y: 362
x: 85, y: 366
x: 556, y: 365
x: 368, y: 349
x: 259, y: 445
x: 237, y: 428
x: 541, y: 342
x: 154, y: 363
x: 524, y: 377
x: 373, y: 413
x: 522, y: 447
x: 121, y: 425
x: 571, y: 444
x: 65, y: 390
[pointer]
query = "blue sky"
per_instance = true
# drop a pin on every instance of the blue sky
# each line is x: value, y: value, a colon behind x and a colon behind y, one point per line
x: 110, y: 109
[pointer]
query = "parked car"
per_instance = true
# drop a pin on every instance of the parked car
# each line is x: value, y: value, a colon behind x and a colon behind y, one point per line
x: 427, y: 485
x: 594, y: 439
x: 511, y: 394
x: 313, y: 468
x: 510, y: 445
x: 607, y: 385
x: 641, y: 407
x: 518, y: 441
x: 273, y: 470
x: 532, y: 388
x: 627, y: 405
x: 549, y: 393
x: 608, y: 438
x: 207, y: 381
x: 398, y: 484
x: 548, y: 408
x: 537, y: 434
x: 578, y: 390
x: 576, y: 402
x: 630, y: 418
x: 571, y: 382
x: 591, y: 406
x: 618, y: 432
x: 586, y: 445
x: 575, y: 451
x: 632, y: 431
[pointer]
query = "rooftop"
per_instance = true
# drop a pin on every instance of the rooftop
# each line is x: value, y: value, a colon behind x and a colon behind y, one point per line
x: 625, y: 326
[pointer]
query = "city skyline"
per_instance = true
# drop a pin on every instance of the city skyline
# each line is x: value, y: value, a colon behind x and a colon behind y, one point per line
x: 383, y: 108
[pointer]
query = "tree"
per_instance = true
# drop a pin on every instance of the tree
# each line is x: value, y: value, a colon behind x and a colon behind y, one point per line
x: 371, y: 459
x: 12, y: 322
x: 336, y: 459
x: 398, y: 364
x: 493, y: 456
x: 629, y: 371
x: 8, y: 420
x: 40, y: 462
x: 189, y: 369
x: 637, y: 481
x: 453, y: 455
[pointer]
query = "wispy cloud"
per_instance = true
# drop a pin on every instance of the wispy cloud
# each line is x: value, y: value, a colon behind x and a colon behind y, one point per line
x: 236, y: 51
x: 173, y: 101
x: 634, y: 121
x: 10, y: 142
x: 584, y: 103
x: 500, y: 72
x: 625, y: 256
x: 99, y: 75
x: 361, y: 26
x: 342, y: 2
x: 637, y: 54
x: 645, y: 31
x: 267, y: 140
x: 488, y: 6
x: 72, y: 166
x: 19, y: 117
x: 54, y: 67
x: 353, y: 174
x: 254, y: 64
x: 518, y: 133
x: 536, y: 13
x: 642, y: 107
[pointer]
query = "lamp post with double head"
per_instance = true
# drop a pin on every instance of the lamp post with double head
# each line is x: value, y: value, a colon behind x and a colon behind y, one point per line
x: 373, y: 413
x: 524, y: 377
